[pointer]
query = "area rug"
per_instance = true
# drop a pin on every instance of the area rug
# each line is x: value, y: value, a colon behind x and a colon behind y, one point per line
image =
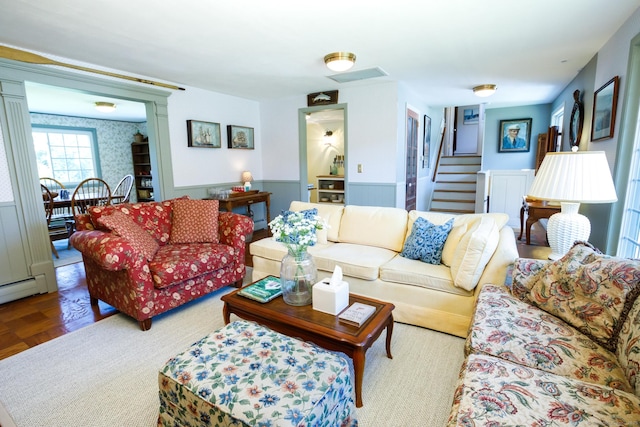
x: 66, y: 255
x: 106, y: 374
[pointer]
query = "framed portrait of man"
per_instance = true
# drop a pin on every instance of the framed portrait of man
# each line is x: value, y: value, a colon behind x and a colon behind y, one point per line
x: 514, y: 136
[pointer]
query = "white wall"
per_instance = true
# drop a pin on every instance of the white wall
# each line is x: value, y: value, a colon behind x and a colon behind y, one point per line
x: 201, y: 166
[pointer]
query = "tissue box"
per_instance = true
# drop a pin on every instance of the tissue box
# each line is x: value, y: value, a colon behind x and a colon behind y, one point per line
x: 330, y: 299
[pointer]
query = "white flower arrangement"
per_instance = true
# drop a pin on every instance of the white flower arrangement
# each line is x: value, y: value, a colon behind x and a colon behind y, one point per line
x: 296, y: 230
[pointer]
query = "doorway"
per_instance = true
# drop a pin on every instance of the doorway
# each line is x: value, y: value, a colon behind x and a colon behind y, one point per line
x: 411, y: 172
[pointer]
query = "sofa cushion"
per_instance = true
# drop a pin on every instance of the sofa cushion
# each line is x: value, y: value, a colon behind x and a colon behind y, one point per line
x: 416, y: 273
x: 123, y: 226
x: 628, y: 350
x: 505, y: 327
x: 469, y: 220
x: 496, y: 392
x: 177, y: 263
x: 589, y: 290
x: 450, y: 245
x: 331, y: 214
x: 426, y: 241
x: 154, y: 217
x: 382, y: 227
x: 194, y: 221
x: 358, y: 261
x: 474, y: 252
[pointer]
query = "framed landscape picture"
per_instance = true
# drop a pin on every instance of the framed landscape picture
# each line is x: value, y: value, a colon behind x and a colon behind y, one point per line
x: 203, y: 134
x: 240, y: 137
x: 514, y: 136
x: 604, y: 110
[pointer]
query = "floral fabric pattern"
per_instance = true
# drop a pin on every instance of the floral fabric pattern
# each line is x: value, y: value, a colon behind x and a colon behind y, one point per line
x: 510, y: 329
x: 496, y: 392
x: 590, y: 291
x: 628, y: 351
x: 118, y: 274
x: 122, y: 225
x: 246, y: 374
x: 194, y: 221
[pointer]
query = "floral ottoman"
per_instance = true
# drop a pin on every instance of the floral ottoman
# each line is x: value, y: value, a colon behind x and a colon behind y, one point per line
x: 246, y: 374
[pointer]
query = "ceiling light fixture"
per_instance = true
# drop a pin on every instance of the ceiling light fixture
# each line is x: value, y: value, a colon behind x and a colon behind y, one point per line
x: 340, y: 61
x: 105, y: 107
x: 485, y: 90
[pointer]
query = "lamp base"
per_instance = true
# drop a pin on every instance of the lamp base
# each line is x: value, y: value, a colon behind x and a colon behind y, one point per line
x: 565, y: 227
x: 247, y: 186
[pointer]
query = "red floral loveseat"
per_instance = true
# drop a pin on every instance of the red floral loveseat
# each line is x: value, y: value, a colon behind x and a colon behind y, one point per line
x: 147, y: 258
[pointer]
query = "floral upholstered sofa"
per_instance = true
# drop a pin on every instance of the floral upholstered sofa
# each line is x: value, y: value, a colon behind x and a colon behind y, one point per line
x: 147, y: 258
x: 559, y: 345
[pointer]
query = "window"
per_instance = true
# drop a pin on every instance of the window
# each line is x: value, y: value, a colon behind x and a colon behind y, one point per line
x: 557, y: 119
x: 629, y: 246
x: 65, y: 153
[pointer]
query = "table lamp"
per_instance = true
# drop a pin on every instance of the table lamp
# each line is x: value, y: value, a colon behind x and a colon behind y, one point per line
x: 572, y: 178
x: 246, y: 178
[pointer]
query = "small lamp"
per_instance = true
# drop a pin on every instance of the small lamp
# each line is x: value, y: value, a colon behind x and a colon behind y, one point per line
x: 246, y: 178
x: 572, y: 178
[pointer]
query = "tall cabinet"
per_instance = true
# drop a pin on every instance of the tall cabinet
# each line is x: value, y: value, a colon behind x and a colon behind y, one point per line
x: 142, y: 171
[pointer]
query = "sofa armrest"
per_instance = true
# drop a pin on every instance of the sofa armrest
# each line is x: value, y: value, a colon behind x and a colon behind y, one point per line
x: 109, y: 251
x: 234, y: 229
x: 524, y: 275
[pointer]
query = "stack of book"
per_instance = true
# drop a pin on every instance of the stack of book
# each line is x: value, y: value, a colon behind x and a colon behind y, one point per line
x: 263, y: 290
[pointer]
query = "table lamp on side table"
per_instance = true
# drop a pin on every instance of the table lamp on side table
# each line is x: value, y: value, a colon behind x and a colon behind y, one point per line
x: 572, y: 178
x: 246, y: 178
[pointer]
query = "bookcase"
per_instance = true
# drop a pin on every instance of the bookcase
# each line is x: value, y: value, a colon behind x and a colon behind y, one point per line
x: 142, y: 171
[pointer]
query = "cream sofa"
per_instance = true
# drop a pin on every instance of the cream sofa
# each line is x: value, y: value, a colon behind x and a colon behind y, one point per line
x: 366, y: 241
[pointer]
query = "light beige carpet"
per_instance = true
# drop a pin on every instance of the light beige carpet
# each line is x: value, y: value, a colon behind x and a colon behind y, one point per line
x: 106, y: 374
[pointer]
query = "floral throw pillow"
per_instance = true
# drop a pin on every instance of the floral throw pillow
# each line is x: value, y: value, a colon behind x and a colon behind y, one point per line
x: 194, y: 221
x: 590, y: 291
x: 426, y: 241
x: 122, y: 225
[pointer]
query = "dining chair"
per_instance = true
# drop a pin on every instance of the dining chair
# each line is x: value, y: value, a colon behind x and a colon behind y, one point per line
x: 122, y: 192
x: 90, y: 192
x: 56, y: 187
x: 57, y: 227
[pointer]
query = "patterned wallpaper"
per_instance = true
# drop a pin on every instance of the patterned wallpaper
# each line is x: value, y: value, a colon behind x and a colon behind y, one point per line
x: 114, y: 142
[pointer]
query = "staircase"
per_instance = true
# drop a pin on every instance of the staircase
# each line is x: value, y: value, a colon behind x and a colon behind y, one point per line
x: 455, y: 185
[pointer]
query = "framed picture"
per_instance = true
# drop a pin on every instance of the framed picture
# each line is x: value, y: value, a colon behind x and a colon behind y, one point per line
x: 603, y: 119
x: 514, y: 136
x: 426, y: 144
x: 203, y: 134
x: 239, y: 137
x: 322, y: 98
x: 471, y: 115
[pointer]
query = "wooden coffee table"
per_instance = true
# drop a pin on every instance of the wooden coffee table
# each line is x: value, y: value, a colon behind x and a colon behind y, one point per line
x: 320, y: 328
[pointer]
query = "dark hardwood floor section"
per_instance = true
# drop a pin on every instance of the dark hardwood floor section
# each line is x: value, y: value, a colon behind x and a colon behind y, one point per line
x: 36, y: 319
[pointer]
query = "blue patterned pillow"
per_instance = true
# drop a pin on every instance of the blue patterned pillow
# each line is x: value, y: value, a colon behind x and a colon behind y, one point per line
x: 426, y: 241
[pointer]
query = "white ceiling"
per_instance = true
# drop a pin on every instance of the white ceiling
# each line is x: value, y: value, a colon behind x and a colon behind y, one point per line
x: 262, y: 50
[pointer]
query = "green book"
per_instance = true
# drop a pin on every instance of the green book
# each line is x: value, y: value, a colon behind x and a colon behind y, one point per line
x: 264, y: 290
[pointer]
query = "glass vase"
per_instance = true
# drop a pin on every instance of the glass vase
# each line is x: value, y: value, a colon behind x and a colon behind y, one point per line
x: 298, y: 274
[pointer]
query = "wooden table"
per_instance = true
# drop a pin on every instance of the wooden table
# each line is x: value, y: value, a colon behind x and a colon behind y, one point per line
x: 536, y: 210
x: 66, y: 203
x: 247, y: 200
x: 320, y: 328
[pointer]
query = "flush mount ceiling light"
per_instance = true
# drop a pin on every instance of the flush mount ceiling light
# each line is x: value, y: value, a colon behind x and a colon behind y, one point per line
x: 105, y: 107
x: 340, y: 61
x: 485, y: 90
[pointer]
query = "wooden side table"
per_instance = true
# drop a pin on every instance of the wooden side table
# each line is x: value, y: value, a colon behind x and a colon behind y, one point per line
x: 248, y: 199
x: 535, y: 210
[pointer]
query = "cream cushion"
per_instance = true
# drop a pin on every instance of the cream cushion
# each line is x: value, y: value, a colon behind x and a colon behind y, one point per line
x: 473, y: 252
x: 415, y: 273
x: 383, y: 227
x: 451, y: 244
x: 363, y: 262
x: 331, y: 214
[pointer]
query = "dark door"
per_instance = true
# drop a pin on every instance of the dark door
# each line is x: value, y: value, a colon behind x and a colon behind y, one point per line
x: 413, y: 125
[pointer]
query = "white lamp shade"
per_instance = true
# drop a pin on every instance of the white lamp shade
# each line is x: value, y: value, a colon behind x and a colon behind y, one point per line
x: 246, y: 177
x: 582, y: 177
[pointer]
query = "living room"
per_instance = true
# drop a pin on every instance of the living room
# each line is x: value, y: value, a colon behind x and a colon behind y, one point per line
x: 376, y: 117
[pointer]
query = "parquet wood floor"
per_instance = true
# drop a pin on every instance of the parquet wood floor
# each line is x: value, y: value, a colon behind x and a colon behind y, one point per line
x: 36, y: 319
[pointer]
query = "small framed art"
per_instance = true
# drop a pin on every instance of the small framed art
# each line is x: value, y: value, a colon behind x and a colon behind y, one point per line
x: 240, y: 137
x: 604, y: 110
x: 514, y: 136
x: 203, y: 134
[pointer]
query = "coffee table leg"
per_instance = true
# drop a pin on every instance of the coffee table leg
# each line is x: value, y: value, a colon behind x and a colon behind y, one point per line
x: 225, y: 314
x: 358, y: 367
x: 389, y: 333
